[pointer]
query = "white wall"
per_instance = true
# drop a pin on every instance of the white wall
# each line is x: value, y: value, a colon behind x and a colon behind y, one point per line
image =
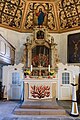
x: 17, y: 39
x: 56, y: 37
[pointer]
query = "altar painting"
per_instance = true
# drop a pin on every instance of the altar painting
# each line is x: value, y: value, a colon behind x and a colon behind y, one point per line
x: 40, y: 56
x: 40, y: 59
x: 74, y: 48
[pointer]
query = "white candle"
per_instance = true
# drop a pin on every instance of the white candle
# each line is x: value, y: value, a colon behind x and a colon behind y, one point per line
x: 31, y: 68
x: 74, y: 79
x: 49, y: 68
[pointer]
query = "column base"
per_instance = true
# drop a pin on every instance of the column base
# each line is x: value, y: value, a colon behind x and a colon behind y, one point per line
x: 73, y: 115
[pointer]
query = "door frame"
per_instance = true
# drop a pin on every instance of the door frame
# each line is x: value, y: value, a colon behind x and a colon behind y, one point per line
x: 60, y: 84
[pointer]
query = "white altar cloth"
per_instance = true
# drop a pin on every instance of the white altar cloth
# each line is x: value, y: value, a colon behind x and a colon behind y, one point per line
x: 43, y: 88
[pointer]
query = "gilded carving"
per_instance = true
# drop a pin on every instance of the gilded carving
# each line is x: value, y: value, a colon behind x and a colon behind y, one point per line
x: 11, y: 12
x: 40, y: 14
x: 24, y: 15
x: 69, y: 14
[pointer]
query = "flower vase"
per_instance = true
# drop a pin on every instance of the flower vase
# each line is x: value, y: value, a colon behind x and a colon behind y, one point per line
x: 51, y: 76
x: 27, y: 76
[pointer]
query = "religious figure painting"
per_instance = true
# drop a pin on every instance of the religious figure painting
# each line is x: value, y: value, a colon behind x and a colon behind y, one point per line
x: 40, y: 16
x: 73, y: 48
x: 40, y: 34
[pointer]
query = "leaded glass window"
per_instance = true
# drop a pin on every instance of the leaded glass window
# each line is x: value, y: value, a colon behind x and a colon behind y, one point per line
x: 65, y: 78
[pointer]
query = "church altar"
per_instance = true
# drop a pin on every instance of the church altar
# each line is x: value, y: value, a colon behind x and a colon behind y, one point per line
x: 40, y: 58
x: 42, y: 88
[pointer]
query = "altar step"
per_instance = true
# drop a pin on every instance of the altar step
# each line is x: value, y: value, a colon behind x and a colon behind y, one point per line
x: 40, y: 108
x: 40, y: 105
x: 57, y: 112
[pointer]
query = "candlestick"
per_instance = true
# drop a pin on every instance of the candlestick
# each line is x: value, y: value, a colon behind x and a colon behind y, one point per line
x: 49, y: 68
x: 31, y: 68
x: 74, y: 111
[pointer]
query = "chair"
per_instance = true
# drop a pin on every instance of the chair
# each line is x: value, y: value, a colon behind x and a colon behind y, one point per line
x: 2, y: 87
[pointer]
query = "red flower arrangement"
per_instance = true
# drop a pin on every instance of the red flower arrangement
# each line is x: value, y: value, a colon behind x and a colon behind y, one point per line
x: 40, y: 91
x: 40, y: 59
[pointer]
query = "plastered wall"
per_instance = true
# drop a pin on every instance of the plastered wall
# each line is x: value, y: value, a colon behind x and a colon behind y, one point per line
x: 17, y: 39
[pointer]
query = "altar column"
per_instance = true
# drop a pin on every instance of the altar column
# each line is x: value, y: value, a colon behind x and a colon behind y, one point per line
x: 26, y: 91
x: 52, y: 56
x: 29, y: 56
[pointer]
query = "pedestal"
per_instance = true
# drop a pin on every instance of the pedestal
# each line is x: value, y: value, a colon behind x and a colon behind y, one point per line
x: 74, y: 111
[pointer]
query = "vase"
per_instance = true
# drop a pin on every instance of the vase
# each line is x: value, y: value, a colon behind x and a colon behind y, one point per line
x: 51, y: 76
x: 27, y: 76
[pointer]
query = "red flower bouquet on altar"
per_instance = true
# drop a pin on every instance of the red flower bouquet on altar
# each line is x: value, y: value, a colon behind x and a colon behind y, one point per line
x: 52, y: 74
x: 27, y: 72
x: 40, y: 59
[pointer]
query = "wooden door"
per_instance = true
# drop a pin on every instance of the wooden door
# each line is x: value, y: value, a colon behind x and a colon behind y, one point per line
x: 64, y: 85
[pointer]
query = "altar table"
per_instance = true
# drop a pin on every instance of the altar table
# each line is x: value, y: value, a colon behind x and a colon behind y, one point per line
x: 43, y: 88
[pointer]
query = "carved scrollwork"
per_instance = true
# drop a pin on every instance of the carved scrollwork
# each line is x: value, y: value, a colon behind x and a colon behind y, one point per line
x: 33, y: 14
x: 69, y: 13
x: 11, y: 12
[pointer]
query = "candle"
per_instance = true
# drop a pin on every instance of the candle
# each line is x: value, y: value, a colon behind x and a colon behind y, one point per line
x: 49, y: 68
x: 74, y: 79
x: 31, y: 68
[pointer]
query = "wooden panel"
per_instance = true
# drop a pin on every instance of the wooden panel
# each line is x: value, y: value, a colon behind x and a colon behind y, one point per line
x: 54, y: 89
x: 15, y: 92
x: 7, y: 51
x: 3, y: 47
x: 12, y: 53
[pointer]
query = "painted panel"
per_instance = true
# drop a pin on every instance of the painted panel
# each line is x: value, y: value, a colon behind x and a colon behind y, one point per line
x: 73, y: 48
x: 8, y: 51
x: 3, y: 47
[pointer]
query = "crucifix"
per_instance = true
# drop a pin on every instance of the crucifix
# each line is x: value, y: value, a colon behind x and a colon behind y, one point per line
x: 75, y: 49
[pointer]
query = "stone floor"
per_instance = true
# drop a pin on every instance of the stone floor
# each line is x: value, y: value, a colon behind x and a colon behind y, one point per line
x: 7, y: 108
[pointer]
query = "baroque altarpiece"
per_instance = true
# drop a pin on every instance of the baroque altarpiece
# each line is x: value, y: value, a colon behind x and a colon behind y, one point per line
x: 40, y: 51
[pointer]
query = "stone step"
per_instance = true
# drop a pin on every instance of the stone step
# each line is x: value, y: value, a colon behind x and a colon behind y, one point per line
x: 40, y: 105
x: 58, y: 112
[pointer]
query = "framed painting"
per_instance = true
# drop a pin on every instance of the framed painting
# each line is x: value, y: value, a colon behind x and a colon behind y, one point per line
x: 40, y: 15
x: 40, y: 35
x: 73, y: 48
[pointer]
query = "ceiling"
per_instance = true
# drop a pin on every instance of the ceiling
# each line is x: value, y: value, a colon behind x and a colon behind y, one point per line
x: 21, y: 15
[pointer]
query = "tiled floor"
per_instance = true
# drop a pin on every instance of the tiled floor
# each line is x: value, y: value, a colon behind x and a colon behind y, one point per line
x: 7, y: 108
